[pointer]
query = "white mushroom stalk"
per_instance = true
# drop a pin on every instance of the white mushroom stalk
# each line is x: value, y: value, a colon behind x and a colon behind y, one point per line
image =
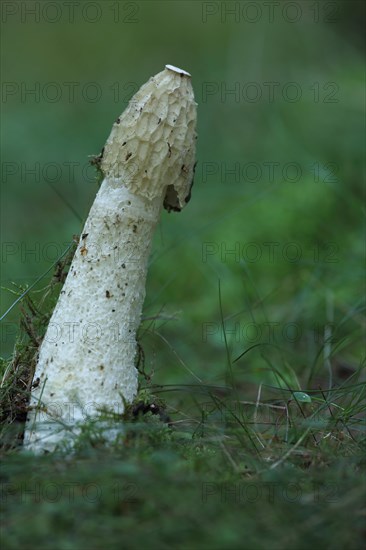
x: 87, y: 358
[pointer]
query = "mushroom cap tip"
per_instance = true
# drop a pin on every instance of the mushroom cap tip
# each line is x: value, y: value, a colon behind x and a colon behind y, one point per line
x: 177, y: 70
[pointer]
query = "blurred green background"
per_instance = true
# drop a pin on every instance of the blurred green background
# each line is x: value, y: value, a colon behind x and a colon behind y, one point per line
x: 279, y: 179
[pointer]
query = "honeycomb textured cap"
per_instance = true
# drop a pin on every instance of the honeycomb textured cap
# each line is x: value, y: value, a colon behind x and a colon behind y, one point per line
x: 151, y: 148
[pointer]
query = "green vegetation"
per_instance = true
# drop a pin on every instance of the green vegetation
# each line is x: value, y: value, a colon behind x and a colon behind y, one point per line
x: 198, y: 465
x: 248, y: 431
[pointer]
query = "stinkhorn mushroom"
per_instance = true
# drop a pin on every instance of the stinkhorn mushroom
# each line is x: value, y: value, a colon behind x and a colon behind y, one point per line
x: 87, y: 359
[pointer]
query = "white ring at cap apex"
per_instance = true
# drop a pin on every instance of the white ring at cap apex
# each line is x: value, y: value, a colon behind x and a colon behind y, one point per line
x: 177, y: 70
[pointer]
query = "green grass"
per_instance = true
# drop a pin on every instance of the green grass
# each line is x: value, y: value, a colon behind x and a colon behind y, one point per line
x: 185, y: 493
x: 199, y: 465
